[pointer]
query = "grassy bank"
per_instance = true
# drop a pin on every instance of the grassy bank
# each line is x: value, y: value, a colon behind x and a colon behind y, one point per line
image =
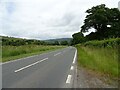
x: 100, y: 59
x: 15, y: 52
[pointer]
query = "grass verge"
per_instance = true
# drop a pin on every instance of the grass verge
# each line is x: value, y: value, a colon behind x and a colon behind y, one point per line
x: 103, y: 60
x: 15, y: 52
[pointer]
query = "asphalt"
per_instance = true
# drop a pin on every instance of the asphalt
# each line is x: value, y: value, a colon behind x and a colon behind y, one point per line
x: 48, y: 70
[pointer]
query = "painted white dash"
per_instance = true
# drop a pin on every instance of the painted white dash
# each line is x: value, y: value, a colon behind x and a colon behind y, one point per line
x: 71, y: 68
x: 69, y: 79
x: 30, y: 65
x: 74, y: 59
x: 57, y: 54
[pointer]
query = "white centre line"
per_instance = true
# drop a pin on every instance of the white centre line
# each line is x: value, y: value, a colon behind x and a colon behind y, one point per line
x: 57, y: 54
x: 71, y: 68
x: 74, y: 59
x: 69, y: 78
x: 30, y: 65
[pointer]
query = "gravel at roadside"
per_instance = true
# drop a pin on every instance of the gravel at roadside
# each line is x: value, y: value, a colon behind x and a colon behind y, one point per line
x: 89, y: 79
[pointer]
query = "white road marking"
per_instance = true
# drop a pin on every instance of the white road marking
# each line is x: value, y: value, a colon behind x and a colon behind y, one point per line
x: 30, y: 65
x: 69, y: 79
x: 71, y: 68
x: 74, y: 59
x: 57, y: 54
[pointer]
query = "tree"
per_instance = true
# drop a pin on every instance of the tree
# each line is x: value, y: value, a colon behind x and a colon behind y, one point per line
x: 114, y: 21
x: 99, y: 18
x: 91, y: 36
x: 56, y: 43
x: 64, y: 43
x: 78, y: 38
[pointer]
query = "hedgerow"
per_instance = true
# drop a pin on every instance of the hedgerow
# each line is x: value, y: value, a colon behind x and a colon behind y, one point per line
x: 111, y: 43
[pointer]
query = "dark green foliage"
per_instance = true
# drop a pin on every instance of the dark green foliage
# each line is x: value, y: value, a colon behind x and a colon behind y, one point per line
x: 18, y: 42
x: 99, y: 18
x: 110, y: 43
x: 56, y: 43
x: 77, y: 38
x: 64, y: 43
x: 58, y: 39
x: 91, y: 36
x: 104, y: 20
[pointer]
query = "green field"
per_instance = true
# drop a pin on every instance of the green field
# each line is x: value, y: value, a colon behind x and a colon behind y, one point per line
x: 102, y: 59
x: 16, y: 52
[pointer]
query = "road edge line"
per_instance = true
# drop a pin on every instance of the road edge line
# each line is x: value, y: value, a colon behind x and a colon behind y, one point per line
x: 74, y: 59
x: 69, y: 79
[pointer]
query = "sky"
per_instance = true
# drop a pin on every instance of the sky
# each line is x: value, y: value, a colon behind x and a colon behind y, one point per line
x: 45, y: 19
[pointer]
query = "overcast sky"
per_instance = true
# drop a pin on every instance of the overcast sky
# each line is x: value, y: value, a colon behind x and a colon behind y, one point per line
x: 45, y: 19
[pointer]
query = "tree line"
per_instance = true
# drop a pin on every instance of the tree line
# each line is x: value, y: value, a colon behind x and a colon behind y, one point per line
x: 105, y: 21
x: 18, y: 42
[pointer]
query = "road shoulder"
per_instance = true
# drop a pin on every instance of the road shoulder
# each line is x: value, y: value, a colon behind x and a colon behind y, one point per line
x: 90, y: 79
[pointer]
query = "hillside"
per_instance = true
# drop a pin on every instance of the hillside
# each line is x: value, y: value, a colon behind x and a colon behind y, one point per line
x: 59, y: 40
x: 20, y: 41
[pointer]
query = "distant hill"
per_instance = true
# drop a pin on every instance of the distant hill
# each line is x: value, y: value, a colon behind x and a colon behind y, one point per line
x: 20, y: 41
x: 58, y: 39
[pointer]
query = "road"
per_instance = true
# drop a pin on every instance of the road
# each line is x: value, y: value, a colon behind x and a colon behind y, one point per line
x: 49, y: 70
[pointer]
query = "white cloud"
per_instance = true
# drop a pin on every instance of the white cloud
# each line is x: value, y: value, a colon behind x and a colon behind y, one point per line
x: 45, y: 19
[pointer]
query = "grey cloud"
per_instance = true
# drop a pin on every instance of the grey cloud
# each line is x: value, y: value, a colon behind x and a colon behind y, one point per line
x: 65, y: 20
x: 44, y: 19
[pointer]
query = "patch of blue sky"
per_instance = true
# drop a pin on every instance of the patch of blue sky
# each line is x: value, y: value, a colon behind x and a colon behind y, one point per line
x: 10, y: 7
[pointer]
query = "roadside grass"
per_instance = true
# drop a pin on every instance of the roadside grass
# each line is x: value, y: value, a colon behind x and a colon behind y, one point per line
x: 16, y: 52
x: 102, y: 60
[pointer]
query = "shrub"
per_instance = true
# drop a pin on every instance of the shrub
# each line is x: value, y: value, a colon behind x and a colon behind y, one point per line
x: 110, y: 43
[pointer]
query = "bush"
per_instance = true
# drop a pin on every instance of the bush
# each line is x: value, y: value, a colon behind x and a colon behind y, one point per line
x: 110, y: 43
